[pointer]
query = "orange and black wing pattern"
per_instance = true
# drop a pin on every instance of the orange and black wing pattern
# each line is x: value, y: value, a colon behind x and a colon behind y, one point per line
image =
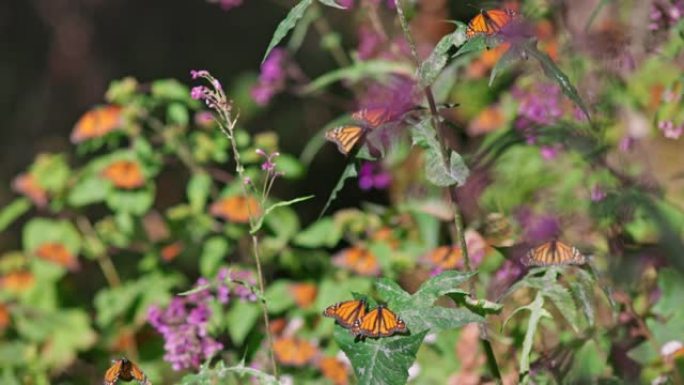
x: 346, y: 313
x: 554, y: 253
x: 443, y: 257
x: 489, y: 22
x: 379, y: 322
x: 372, y: 117
x: 346, y: 137
x: 125, y: 370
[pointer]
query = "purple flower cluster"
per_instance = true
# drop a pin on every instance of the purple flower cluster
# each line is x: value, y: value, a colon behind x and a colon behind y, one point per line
x: 272, y: 77
x: 213, y: 97
x: 540, y: 105
x: 665, y: 14
x: 537, y: 228
x: 669, y: 130
x: 373, y: 175
x: 184, y: 322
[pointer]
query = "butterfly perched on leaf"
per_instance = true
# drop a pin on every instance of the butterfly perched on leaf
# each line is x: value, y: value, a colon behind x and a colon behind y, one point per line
x: 379, y: 322
x: 292, y: 351
x: 125, y: 370
x: 347, y: 313
x: 490, y: 22
x: 554, y: 253
x: 346, y: 137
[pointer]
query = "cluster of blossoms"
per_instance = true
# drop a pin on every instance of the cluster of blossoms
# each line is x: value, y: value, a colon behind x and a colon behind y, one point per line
x: 665, y: 14
x: 538, y: 227
x: 670, y: 130
x: 540, y: 105
x: 214, y: 98
x: 373, y: 175
x: 184, y: 322
x: 271, y: 78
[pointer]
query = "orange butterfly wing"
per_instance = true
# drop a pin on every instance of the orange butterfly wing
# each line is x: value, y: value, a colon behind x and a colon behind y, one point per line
x: 124, y: 174
x: 138, y: 374
x: 358, y: 260
x: 347, y: 312
x: 554, y: 253
x: 444, y: 257
x: 489, y: 22
x: 373, y: 117
x: 379, y: 322
x: 111, y: 376
x: 96, y: 123
x: 293, y: 351
x: 346, y: 137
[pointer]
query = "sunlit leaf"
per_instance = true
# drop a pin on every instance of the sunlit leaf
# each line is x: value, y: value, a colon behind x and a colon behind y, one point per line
x: 324, y: 232
x: 437, y: 170
x: 433, y: 65
x: 349, y: 172
x: 13, y: 211
x: 287, y: 24
x: 442, y: 284
x: 332, y: 3
x: 220, y: 374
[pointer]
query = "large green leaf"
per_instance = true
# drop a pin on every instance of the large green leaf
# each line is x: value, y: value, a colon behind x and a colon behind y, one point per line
x: 438, y: 170
x: 220, y: 374
x: 88, y: 190
x: 537, y: 311
x: 214, y: 251
x: 42, y: 230
x: 357, y: 72
x: 287, y: 24
x: 382, y: 361
x: 198, y: 191
x: 442, y: 284
x: 269, y: 209
x: 322, y: 233
x: 433, y: 65
x: 240, y: 319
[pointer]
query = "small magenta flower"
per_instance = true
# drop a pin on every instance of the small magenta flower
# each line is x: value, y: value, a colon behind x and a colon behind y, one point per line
x: 597, y: 193
x: 549, y: 152
x: 626, y: 143
x: 372, y: 175
x: 269, y: 161
x: 669, y: 129
x: 272, y: 77
x: 370, y: 42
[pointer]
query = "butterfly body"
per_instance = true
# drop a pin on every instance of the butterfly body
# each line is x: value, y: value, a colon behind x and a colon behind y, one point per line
x: 379, y: 322
x: 554, y: 253
x: 489, y: 22
x: 125, y: 370
x: 346, y: 313
x: 346, y: 137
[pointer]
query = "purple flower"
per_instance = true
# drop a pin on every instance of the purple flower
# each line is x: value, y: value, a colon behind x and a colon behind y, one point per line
x: 549, y: 152
x: 272, y: 77
x: 372, y: 175
x: 626, y: 143
x: 540, y: 105
x: 242, y: 291
x: 665, y: 14
x: 669, y: 130
x: 269, y: 161
x: 369, y: 42
x: 597, y: 193
x: 537, y: 228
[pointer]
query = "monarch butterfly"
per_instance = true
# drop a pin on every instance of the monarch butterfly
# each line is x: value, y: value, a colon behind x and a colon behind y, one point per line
x: 304, y: 294
x: 57, y: 253
x: 126, y: 370
x: 293, y: 351
x: 379, y: 322
x: 96, y: 123
x: 444, y: 257
x: 124, y: 174
x: 236, y: 208
x: 346, y: 137
x: 358, y: 260
x: 347, y: 313
x: 489, y: 22
x: 554, y: 253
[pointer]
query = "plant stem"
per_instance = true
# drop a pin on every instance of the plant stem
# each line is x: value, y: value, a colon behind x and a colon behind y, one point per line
x: 264, y: 306
x: 458, y: 220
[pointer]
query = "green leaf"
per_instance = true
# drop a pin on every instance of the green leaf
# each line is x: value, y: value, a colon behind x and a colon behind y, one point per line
x: 349, y: 172
x: 51, y: 171
x: 537, y: 311
x: 274, y: 206
x: 215, y: 249
x: 552, y: 71
x: 587, y: 366
x: 279, y: 296
x: 433, y: 65
x: 437, y: 318
x: 357, y: 72
x: 40, y: 230
x: 88, y: 190
x: 584, y: 298
x: 177, y: 114
x: 437, y: 170
x: 289, y: 166
x: 136, y: 202
x: 380, y: 362
x: 198, y: 190
x: 332, y: 3
x: 322, y: 233
x: 437, y: 286
x: 562, y: 299
x: 389, y: 290
x: 287, y: 24
x: 220, y: 374
x: 13, y: 211
x: 241, y: 319
x: 171, y: 89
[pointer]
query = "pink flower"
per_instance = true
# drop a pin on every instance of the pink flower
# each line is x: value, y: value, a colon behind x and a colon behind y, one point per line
x: 597, y: 193
x: 372, y: 175
x: 549, y: 152
x: 669, y: 130
x: 272, y: 77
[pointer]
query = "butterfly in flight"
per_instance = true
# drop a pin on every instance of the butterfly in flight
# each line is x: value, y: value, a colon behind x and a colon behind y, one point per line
x: 124, y: 369
x: 554, y: 253
x: 346, y: 313
x: 489, y: 22
x: 379, y: 322
x: 346, y: 137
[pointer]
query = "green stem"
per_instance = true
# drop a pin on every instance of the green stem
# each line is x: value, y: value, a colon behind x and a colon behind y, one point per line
x: 491, y: 358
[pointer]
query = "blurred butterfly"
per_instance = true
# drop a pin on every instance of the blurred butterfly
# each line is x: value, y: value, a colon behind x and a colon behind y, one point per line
x: 346, y: 137
x: 489, y: 22
x: 357, y: 259
x: 124, y: 174
x: 126, y: 370
x: 346, y: 313
x: 379, y: 322
x: 554, y: 253
x: 334, y: 370
x: 96, y: 123
x: 443, y: 257
x: 236, y: 208
x: 293, y: 351
x: 57, y: 253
